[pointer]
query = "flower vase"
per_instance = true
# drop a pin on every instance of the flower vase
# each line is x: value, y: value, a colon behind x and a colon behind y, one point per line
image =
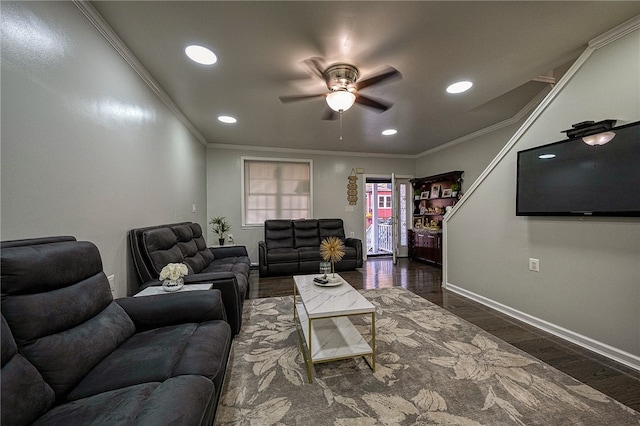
x: 325, y: 269
x: 172, y: 285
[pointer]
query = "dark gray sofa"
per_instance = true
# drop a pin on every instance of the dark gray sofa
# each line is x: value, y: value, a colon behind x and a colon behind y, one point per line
x: 226, y: 268
x: 293, y: 246
x: 71, y: 355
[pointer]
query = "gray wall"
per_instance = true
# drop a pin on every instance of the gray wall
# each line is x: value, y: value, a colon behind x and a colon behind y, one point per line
x: 330, y: 173
x: 87, y: 148
x: 471, y: 156
x: 588, y: 287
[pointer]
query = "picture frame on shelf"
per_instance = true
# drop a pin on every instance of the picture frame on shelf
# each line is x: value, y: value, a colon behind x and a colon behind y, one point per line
x: 417, y: 223
x: 435, y: 191
x: 446, y: 193
x: 424, y: 195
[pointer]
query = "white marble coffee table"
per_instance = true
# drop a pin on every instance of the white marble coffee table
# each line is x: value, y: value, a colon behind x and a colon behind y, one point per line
x: 323, y: 314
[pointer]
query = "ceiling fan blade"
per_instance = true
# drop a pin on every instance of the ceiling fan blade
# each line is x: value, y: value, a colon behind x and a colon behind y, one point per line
x: 371, y: 103
x: 378, y: 78
x: 315, y: 66
x: 329, y: 114
x: 293, y: 98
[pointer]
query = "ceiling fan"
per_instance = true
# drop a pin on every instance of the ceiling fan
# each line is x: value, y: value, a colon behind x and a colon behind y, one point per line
x: 344, y: 86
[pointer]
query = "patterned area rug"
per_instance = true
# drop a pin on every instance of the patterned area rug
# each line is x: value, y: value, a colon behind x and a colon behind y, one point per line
x: 433, y: 368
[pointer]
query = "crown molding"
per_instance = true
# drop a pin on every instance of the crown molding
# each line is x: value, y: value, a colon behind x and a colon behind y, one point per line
x: 308, y: 151
x: 109, y: 34
x: 614, y: 34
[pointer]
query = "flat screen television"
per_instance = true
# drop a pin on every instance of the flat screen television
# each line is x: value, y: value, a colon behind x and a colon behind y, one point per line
x: 570, y: 177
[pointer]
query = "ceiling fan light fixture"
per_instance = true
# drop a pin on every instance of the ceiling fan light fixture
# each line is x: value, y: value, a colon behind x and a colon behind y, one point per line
x: 340, y: 100
x: 201, y: 55
x: 459, y: 87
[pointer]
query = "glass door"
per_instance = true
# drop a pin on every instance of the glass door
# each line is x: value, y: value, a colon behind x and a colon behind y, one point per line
x: 401, y: 212
x: 378, y: 216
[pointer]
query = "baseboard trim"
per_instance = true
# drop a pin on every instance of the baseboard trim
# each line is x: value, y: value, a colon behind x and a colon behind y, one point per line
x: 603, y: 349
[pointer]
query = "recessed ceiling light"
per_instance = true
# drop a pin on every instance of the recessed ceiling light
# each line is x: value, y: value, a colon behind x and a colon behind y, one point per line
x: 546, y: 156
x: 459, y: 87
x: 227, y: 119
x: 389, y: 132
x: 201, y: 55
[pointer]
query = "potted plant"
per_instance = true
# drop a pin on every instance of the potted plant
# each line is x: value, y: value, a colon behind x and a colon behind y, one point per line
x: 454, y: 189
x: 219, y: 225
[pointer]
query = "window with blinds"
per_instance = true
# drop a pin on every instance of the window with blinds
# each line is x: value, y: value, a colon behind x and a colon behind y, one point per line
x: 276, y: 189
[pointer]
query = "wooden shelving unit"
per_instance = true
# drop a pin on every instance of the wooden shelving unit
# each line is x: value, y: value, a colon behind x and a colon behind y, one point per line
x: 433, y: 196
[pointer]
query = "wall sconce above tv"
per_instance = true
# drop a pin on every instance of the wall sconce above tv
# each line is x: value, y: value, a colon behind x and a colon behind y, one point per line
x: 571, y: 177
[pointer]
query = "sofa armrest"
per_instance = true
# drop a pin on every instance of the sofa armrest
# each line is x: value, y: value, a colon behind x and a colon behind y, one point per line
x: 262, y: 259
x: 227, y: 284
x: 162, y: 310
x: 357, y: 244
x: 229, y: 251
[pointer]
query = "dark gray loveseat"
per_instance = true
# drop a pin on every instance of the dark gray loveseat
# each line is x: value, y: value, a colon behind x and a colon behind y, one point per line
x: 226, y: 268
x: 71, y: 355
x: 293, y: 246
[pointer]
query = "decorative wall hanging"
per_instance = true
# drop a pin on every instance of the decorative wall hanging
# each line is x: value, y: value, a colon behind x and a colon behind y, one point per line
x: 352, y: 188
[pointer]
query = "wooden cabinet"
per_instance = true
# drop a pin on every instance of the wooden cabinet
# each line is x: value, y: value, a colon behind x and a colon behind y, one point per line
x: 425, y: 246
x: 433, y: 197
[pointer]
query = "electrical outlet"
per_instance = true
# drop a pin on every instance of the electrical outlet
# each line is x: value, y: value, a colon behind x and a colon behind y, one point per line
x: 352, y: 234
x: 193, y: 208
x: 534, y: 264
x: 112, y: 283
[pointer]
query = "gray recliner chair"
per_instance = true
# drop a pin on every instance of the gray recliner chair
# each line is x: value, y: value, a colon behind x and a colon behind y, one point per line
x: 72, y: 355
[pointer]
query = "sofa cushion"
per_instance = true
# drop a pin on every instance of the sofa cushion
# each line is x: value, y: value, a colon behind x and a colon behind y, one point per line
x: 65, y: 358
x: 278, y: 234
x: 183, y: 400
x: 59, y: 307
x: 23, y: 266
x: 306, y: 233
x: 283, y: 255
x: 158, y: 354
x: 24, y: 395
x: 204, y: 254
x: 331, y: 228
x: 309, y: 253
x: 184, y: 233
x: 162, y: 246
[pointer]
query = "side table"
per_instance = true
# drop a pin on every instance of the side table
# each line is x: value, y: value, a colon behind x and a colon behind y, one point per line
x: 157, y: 289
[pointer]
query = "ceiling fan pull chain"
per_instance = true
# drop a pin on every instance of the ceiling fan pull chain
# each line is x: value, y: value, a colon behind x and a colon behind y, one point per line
x: 340, y: 124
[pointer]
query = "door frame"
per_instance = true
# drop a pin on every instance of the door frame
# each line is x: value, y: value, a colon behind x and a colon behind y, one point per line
x: 394, y: 212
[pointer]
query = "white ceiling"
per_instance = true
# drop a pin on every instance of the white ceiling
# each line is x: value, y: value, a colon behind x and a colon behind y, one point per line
x: 500, y: 46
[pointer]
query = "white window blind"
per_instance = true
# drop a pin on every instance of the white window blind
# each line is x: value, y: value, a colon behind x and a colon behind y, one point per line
x: 276, y: 189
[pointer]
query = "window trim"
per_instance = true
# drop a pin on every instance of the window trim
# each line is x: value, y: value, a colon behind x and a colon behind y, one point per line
x: 243, y: 159
x: 386, y: 198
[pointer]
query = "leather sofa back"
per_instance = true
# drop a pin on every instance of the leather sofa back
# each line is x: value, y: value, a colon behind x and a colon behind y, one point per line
x: 282, y: 233
x: 278, y: 233
x: 155, y: 247
x: 305, y: 232
x: 331, y: 228
x: 57, y: 303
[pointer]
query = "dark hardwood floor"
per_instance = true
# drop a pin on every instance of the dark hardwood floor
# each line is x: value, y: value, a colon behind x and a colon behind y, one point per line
x: 613, y: 379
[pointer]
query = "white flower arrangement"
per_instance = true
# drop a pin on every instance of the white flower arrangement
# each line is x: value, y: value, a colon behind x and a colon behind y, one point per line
x: 173, y: 271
